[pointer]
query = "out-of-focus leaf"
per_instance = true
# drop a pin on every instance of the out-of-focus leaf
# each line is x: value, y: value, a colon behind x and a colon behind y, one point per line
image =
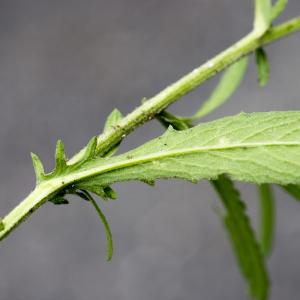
x: 267, y: 223
x: 246, y: 248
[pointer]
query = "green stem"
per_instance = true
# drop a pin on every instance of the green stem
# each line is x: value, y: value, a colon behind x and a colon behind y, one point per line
x: 147, y: 111
x: 189, y: 82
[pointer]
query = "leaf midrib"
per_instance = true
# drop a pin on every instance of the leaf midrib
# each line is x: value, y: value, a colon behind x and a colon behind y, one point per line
x: 128, y: 162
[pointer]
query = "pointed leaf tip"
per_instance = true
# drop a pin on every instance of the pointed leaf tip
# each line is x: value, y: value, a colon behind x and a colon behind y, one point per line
x: 38, y: 167
x: 60, y: 157
x: 90, y: 150
x: 113, y: 118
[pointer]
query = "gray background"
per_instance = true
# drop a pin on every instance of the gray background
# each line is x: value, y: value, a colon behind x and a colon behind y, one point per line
x: 64, y: 65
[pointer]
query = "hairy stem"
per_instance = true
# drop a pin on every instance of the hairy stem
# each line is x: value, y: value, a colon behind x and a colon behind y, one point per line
x: 147, y: 111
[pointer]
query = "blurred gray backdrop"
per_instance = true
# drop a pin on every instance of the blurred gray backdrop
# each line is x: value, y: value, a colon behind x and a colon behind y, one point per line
x: 64, y: 65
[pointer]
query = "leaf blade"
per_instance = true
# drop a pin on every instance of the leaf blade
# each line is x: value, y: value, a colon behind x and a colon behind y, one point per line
x: 263, y: 67
x: 257, y: 148
x: 243, y: 239
x: 267, y: 218
x: 226, y: 87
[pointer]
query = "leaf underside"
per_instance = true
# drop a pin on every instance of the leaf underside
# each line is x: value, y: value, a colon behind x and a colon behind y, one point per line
x: 257, y: 148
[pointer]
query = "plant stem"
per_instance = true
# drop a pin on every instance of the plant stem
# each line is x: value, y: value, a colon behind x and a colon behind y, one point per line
x: 147, y: 111
x: 188, y: 83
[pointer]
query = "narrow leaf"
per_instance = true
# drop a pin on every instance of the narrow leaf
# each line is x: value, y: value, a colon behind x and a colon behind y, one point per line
x: 267, y: 218
x: 60, y: 157
x: 38, y: 167
x: 227, y: 85
x: 278, y: 8
x: 263, y: 66
x: 293, y: 190
x: 109, y: 240
x: 114, y: 117
x: 262, y: 16
x: 90, y: 150
x: 243, y: 239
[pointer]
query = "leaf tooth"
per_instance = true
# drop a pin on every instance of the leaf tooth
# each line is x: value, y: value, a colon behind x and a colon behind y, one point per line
x: 113, y: 118
x: 60, y: 157
x: 38, y: 167
x: 90, y: 150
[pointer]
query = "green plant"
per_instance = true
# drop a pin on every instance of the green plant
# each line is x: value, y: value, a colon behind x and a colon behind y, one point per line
x: 260, y: 148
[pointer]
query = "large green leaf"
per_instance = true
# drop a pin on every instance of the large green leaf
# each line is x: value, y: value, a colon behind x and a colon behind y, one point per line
x: 246, y: 248
x: 258, y: 148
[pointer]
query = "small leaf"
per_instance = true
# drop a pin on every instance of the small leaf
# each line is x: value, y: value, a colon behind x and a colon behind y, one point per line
x: 90, y: 150
x: 263, y: 66
x: 109, y: 240
x: 167, y: 119
x: 38, y: 167
x: 103, y: 192
x: 243, y: 239
x: 58, y: 200
x: 278, y: 8
x: 293, y: 190
x: 2, y: 226
x: 60, y: 157
x: 109, y: 193
x: 114, y: 117
x: 227, y: 85
x: 267, y: 209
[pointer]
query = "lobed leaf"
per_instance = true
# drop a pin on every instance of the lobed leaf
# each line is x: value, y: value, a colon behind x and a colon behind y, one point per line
x: 258, y: 148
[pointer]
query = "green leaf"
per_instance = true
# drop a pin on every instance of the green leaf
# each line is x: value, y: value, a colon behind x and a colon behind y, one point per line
x: 293, y: 190
x: 167, y: 119
x: 38, y: 168
x: 109, y: 240
x: 114, y: 117
x: 263, y: 66
x: 59, y: 200
x: 278, y: 8
x: 257, y: 148
x: 60, y: 157
x: 228, y: 84
x: 90, y: 150
x: 243, y: 239
x: 2, y: 226
x: 263, y: 15
x: 267, y: 209
x: 105, y: 192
